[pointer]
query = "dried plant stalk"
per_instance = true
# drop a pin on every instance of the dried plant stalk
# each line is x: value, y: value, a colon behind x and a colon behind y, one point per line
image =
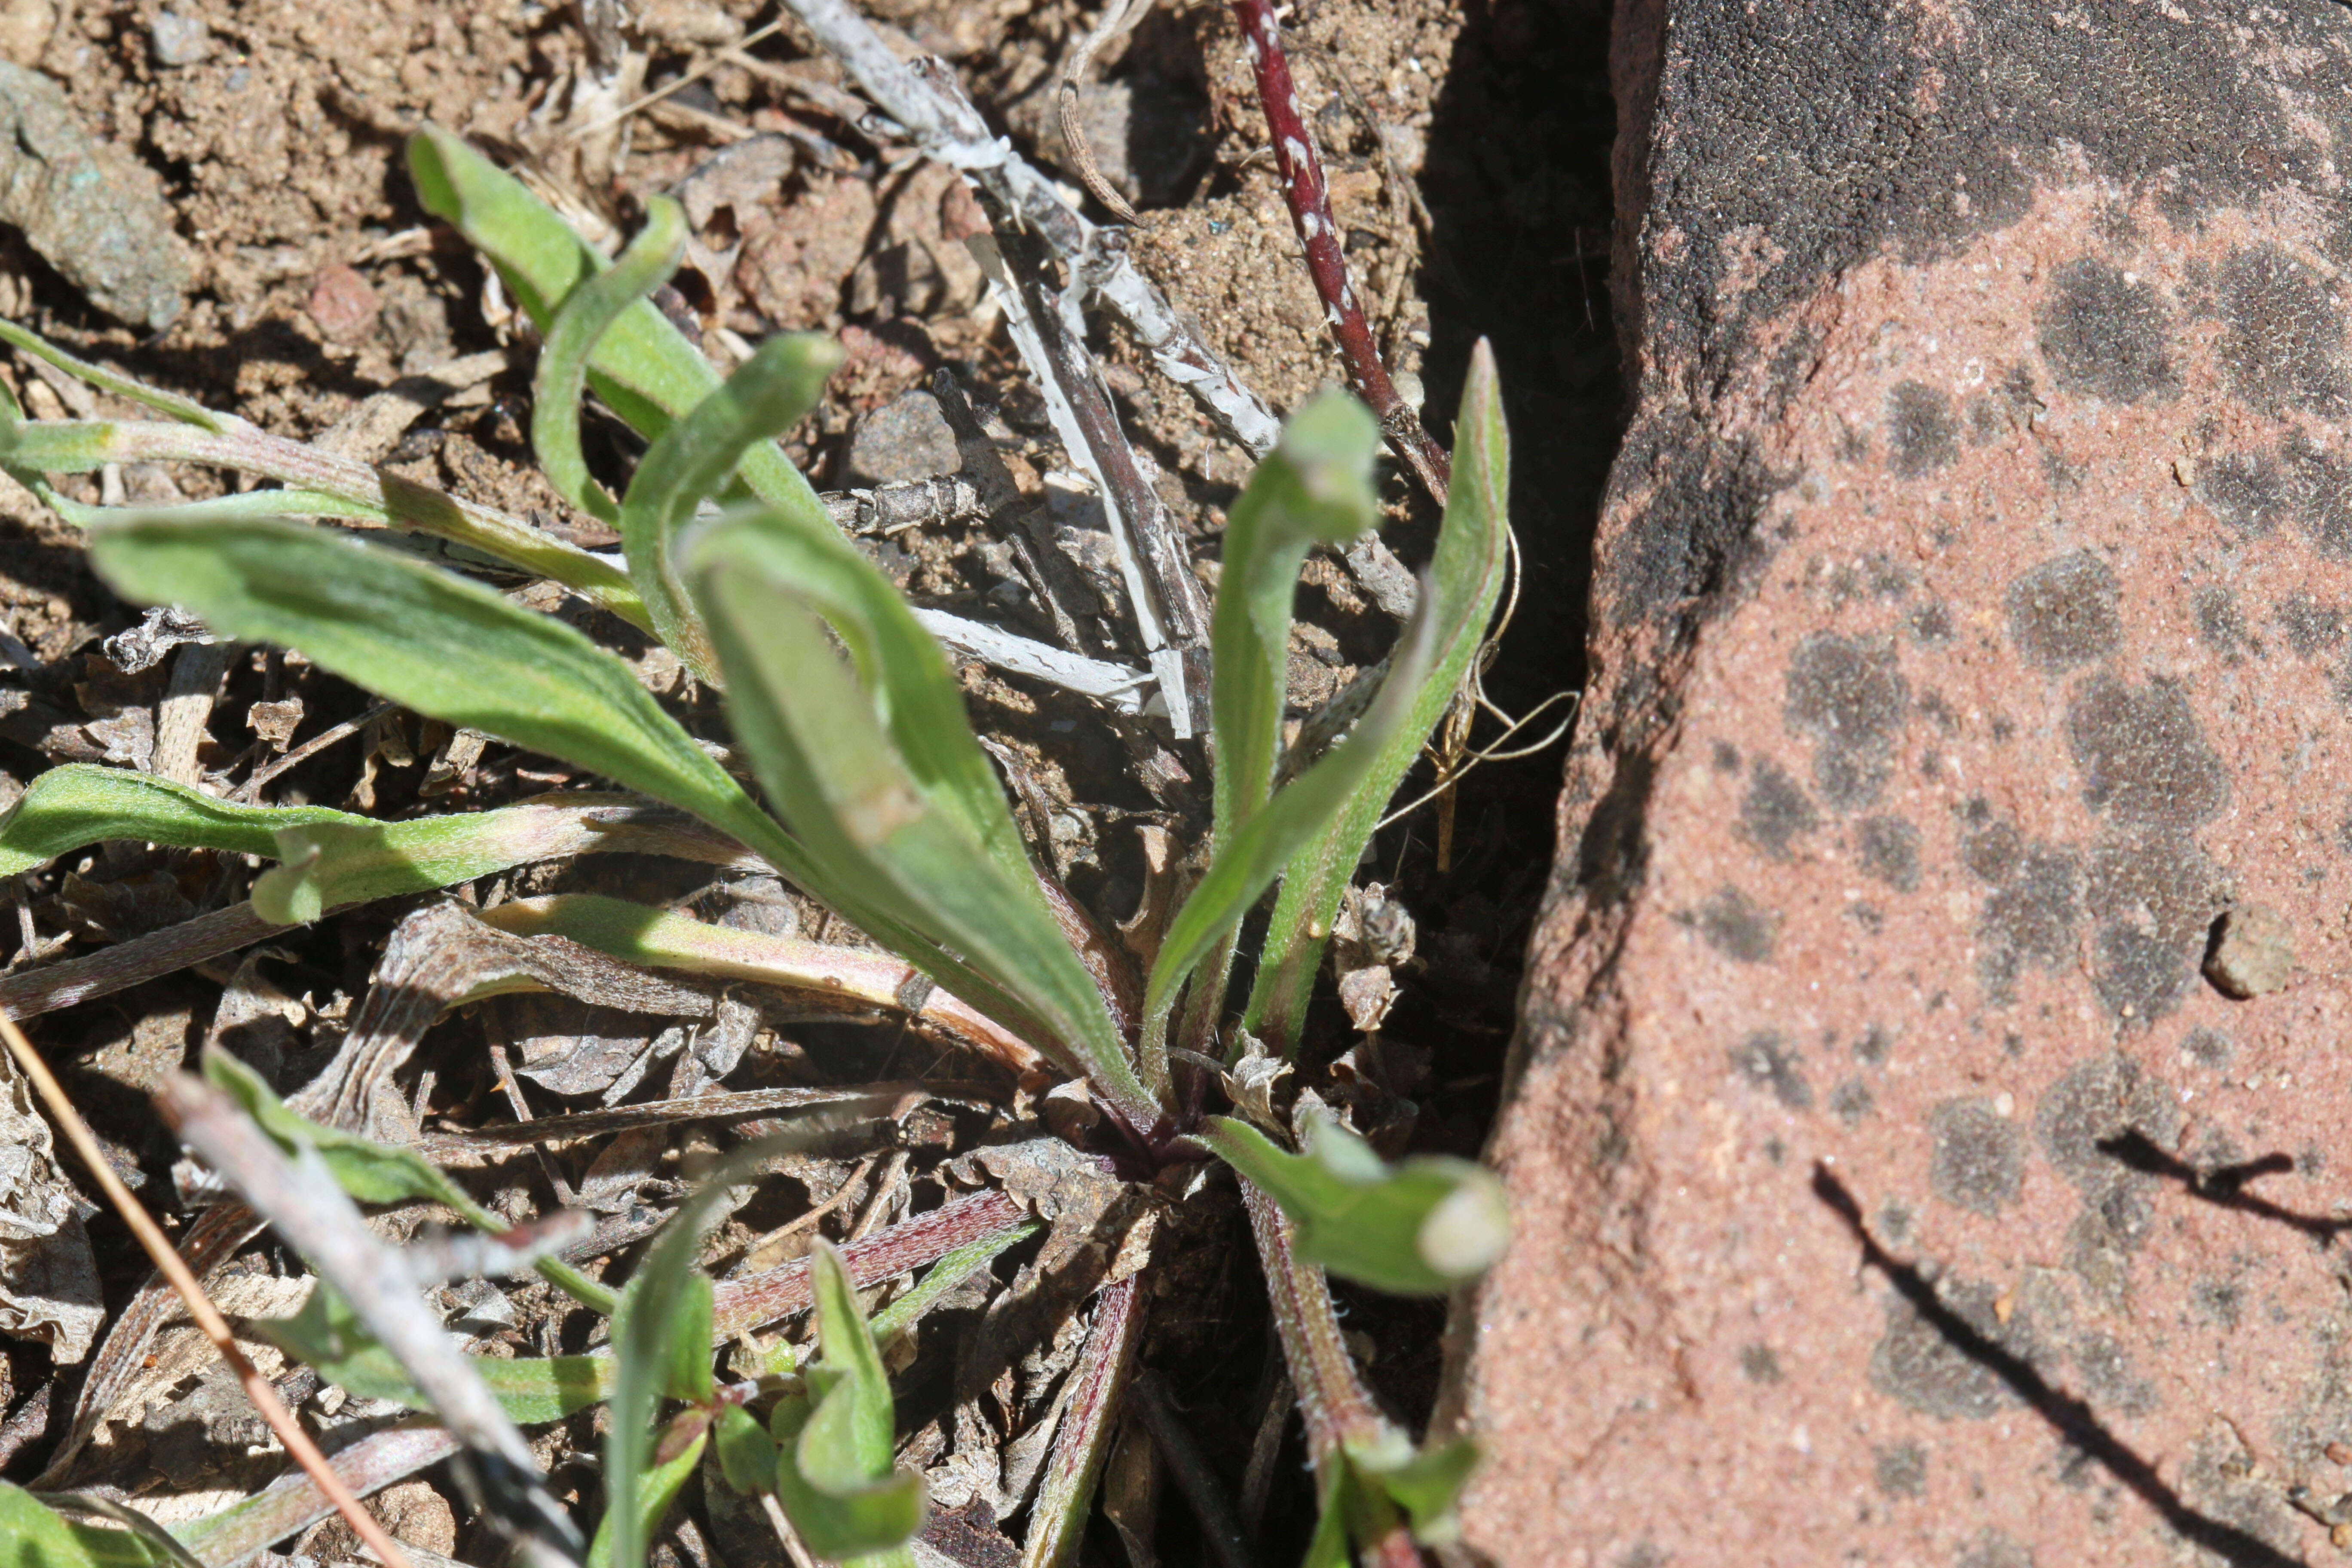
x: 200, y: 1305
x: 1303, y: 187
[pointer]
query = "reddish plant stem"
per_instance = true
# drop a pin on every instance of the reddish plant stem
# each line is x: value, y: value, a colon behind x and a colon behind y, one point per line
x: 762, y: 1298
x: 1301, y: 168
x: 1337, y: 1407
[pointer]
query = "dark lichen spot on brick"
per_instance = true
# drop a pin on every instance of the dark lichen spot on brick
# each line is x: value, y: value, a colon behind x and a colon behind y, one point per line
x: 2143, y: 757
x: 1931, y: 624
x: 1976, y: 1158
x: 1697, y: 535
x: 1758, y: 1365
x: 1737, y: 927
x: 1766, y: 1060
x: 1887, y: 849
x: 2028, y: 921
x: 1874, y: 1045
x: 1776, y: 812
x: 1848, y: 696
x: 1726, y: 757
x: 1922, y: 433
x: 1642, y: 1555
x: 1992, y: 1547
x: 2219, y: 626
x: 2106, y: 334
x: 2208, y: 1049
x: 2108, y: 1376
x: 2219, y: 1302
x: 1985, y: 424
x: 2099, y: 1101
x: 1901, y: 1469
x: 2284, y: 343
x: 2310, y: 627
x: 1914, y: 1364
x: 2065, y: 612
x: 2248, y: 490
x: 1991, y: 847
x: 1851, y: 1101
x: 2153, y: 894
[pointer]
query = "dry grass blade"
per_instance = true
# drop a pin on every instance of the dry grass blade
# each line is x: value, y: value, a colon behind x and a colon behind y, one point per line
x: 200, y: 1305
x: 303, y: 1202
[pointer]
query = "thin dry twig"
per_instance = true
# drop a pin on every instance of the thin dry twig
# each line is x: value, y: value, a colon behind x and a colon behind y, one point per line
x: 301, y: 1200
x: 309, y: 748
x: 954, y: 134
x: 1195, y: 1477
x: 1119, y: 17
x: 675, y: 84
x: 200, y: 1305
x: 1172, y: 613
x: 1301, y: 167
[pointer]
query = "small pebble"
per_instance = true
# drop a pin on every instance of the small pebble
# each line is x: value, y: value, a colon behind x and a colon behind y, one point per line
x: 2252, y: 953
x: 2339, y: 1453
x: 180, y: 40
x: 905, y: 439
x: 343, y: 305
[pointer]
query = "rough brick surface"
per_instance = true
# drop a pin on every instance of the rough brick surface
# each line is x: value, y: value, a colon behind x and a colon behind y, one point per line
x: 1970, y: 634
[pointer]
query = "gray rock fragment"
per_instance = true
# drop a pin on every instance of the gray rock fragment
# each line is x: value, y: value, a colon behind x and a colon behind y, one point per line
x: 907, y: 438
x: 89, y: 209
x: 2252, y: 953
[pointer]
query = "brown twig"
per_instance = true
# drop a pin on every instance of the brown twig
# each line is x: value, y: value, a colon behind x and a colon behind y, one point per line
x: 309, y: 748
x: 1301, y: 167
x: 1119, y: 17
x: 200, y: 1305
x: 1195, y: 1477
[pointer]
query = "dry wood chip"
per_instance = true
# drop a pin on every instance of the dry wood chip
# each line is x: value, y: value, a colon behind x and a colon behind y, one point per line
x: 48, y: 1280
x: 276, y: 722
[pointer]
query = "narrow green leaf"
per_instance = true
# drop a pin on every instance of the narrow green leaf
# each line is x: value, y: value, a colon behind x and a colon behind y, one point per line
x: 747, y: 1455
x: 1417, y: 1229
x: 585, y: 317
x: 183, y: 409
x: 327, y: 1336
x: 333, y: 859
x: 828, y: 754
x: 642, y: 367
x: 37, y: 1536
x: 436, y: 644
x: 833, y: 1474
x: 906, y: 675
x: 334, y: 864
x: 1328, y: 1547
x: 693, y: 461
x: 658, y: 1489
x: 150, y: 1537
x: 688, y: 1327
x: 1464, y: 581
x: 374, y: 1173
x: 322, y: 485
x: 74, y: 806
x: 645, y: 1349
x: 1316, y: 487
x: 1299, y: 810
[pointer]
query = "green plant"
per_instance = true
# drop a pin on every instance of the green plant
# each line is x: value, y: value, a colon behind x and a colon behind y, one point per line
x: 876, y: 797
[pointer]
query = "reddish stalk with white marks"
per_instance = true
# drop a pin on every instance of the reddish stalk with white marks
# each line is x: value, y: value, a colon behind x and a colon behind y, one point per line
x: 1301, y: 168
